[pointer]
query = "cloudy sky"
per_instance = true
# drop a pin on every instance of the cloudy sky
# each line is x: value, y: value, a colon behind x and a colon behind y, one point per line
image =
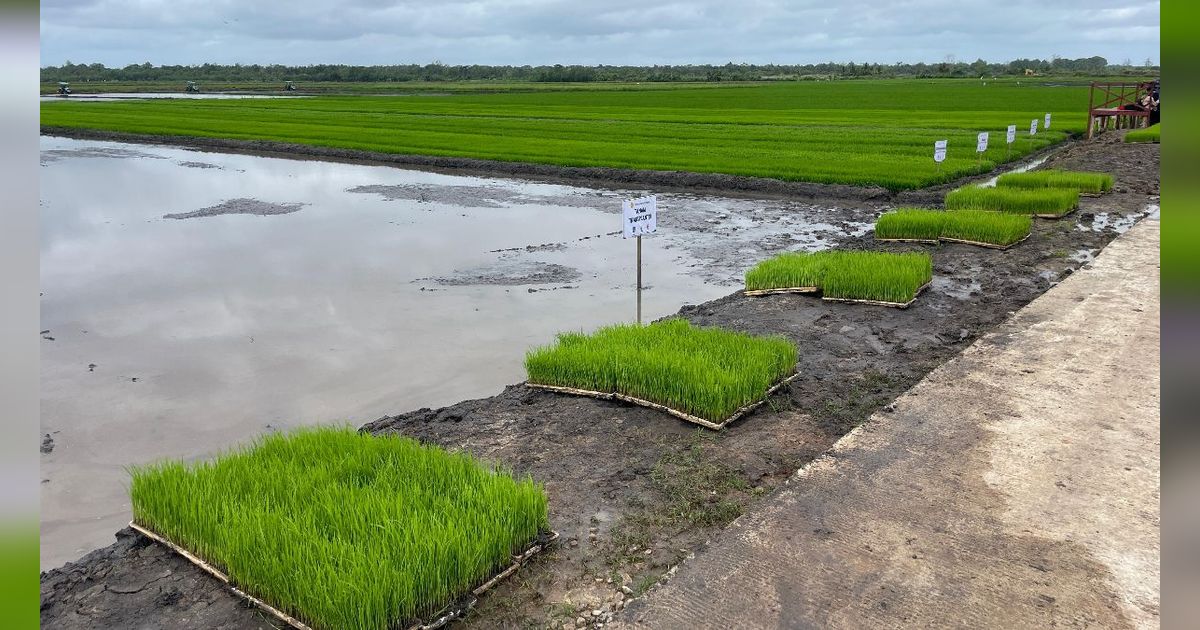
x: 641, y: 32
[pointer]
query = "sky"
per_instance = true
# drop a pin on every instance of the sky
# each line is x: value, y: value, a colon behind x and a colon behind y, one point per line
x: 616, y: 32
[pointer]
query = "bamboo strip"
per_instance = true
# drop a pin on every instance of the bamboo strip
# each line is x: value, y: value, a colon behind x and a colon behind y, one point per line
x: 674, y: 412
x: 989, y: 245
x: 758, y: 292
x: 927, y: 241
x: 900, y: 305
x: 1056, y: 216
x: 518, y: 562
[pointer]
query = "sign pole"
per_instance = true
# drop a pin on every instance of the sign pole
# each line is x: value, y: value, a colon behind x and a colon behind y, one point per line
x: 639, y: 280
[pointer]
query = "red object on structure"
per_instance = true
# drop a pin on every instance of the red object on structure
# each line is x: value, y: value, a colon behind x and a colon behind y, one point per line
x: 1106, y: 106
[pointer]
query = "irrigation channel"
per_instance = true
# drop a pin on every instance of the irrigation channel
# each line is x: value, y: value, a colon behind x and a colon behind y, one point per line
x: 390, y: 290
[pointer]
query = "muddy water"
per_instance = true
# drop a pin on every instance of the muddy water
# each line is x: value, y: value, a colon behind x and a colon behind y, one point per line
x: 194, y: 300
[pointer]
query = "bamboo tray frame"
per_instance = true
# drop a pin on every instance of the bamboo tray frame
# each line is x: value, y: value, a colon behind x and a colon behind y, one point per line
x: 989, y: 245
x: 761, y: 292
x: 900, y: 305
x: 926, y: 241
x: 450, y: 613
x: 708, y: 424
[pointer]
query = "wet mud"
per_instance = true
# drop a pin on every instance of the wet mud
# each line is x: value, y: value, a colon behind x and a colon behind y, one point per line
x: 632, y: 491
x: 511, y: 273
x: 239, y: 206
x: 54, y: 155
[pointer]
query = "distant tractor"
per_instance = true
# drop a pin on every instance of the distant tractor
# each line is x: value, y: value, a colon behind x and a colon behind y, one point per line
x: 192, y: 87
x: 64, y: 88
x: 289, y: 86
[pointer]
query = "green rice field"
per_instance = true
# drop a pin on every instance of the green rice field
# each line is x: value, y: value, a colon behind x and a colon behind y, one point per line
x: 878, y: 132
x: 850, y: 275
x: 1049, y: 178
x: 979, y: 226
x: 1149, y: 134
x: 341, y: 529
x: 1041, y: 202
x: 706, y: 372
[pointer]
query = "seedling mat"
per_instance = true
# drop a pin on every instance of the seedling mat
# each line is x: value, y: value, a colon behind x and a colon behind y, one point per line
x: 880, y: 302
x: 708, y: 424
x: 450, y: 613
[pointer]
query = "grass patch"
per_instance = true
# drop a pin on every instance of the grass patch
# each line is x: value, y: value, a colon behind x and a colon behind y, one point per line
x: 849, y: 275
x: 1149, y: 134
x: 986, y: 227
x: 1042, y: 202
x: 1072, y: 180
x: 877, y: 276
x: 705, y: 372
x: 341, y: 529
x: 911, y: 224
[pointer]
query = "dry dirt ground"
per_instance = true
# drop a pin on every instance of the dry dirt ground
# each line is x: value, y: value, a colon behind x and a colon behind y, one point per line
x: 632, y: 491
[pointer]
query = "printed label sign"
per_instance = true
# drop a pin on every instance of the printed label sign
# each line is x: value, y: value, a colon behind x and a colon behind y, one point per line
x: 1012, y: 134
x: 1047, y: 125
x: 1033, y: 127
x: 981, y: 142
x: 641, y: 216
x: 939, y: 151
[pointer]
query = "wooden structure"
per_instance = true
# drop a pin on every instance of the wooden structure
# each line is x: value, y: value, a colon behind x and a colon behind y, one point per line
x: 1107, y: 106
x: 191, y: 87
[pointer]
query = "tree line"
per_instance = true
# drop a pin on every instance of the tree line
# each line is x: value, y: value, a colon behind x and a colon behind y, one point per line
x: 436, y: 71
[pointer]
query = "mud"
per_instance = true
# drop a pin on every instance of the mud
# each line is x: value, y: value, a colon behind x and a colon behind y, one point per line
x: 633, y: 491
x: 240, y: 206
x: 54, y: 155
x: 480, y: 197
x: 511, y: 274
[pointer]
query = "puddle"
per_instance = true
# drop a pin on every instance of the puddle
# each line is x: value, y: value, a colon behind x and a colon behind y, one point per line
x: 1102, y: 221
x: 1032, y: 164
x: 958, y: 288
x: 415, y: 290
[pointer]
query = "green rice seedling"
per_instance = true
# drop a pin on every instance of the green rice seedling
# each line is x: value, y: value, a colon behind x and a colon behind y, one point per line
x: 1083, y: 182
x: 979, y: 226
x: 705, y: 372
x: 790, y: 270
x: 340, y: 529
x: 877, y: 276
x: 1149, y: 134
x: 915, y: 224
x: 1049, y: 202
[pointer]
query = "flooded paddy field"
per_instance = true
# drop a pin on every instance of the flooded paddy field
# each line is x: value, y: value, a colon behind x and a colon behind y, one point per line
x: 192, y: 300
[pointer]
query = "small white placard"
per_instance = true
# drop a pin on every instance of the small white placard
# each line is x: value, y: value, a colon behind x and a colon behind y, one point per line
x: 939, y: 151
x: 981, y: 142
x: 641, y: 216
x: 1012, y: 134
x: 1047, y: 125
x: 1033, y: 127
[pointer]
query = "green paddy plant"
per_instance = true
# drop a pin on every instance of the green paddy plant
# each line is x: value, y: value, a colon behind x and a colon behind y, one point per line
x: 790, y: 270
x: 979, y: 226
x: 877, y: 276
x: 341, y: 529
x: 910, y: 224
x: 1046, y: 202
x: 1149, y: 134
x: 1093, y: 183
x: 705, y: 372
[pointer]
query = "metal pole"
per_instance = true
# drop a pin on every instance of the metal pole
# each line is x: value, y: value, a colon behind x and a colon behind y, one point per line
x: 639, y: 279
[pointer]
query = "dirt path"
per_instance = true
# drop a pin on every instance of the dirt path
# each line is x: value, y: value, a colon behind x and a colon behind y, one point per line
x: 634, y: 492
x: 1015, y: 487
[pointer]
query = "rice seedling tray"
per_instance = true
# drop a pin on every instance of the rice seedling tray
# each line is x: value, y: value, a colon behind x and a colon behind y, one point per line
x: 761, y: 292
x: 948, y: 239
x: 900, y: 305
x: 708, y: 424
x: 454, y: 611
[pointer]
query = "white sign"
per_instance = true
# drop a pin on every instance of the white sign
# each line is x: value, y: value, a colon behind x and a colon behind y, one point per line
x: 1012, y: 134
x: 939, y: 151
x: 1047, y: 125
x: 981, y: 142
x: 641, y: 216
x: 1033, y: 127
